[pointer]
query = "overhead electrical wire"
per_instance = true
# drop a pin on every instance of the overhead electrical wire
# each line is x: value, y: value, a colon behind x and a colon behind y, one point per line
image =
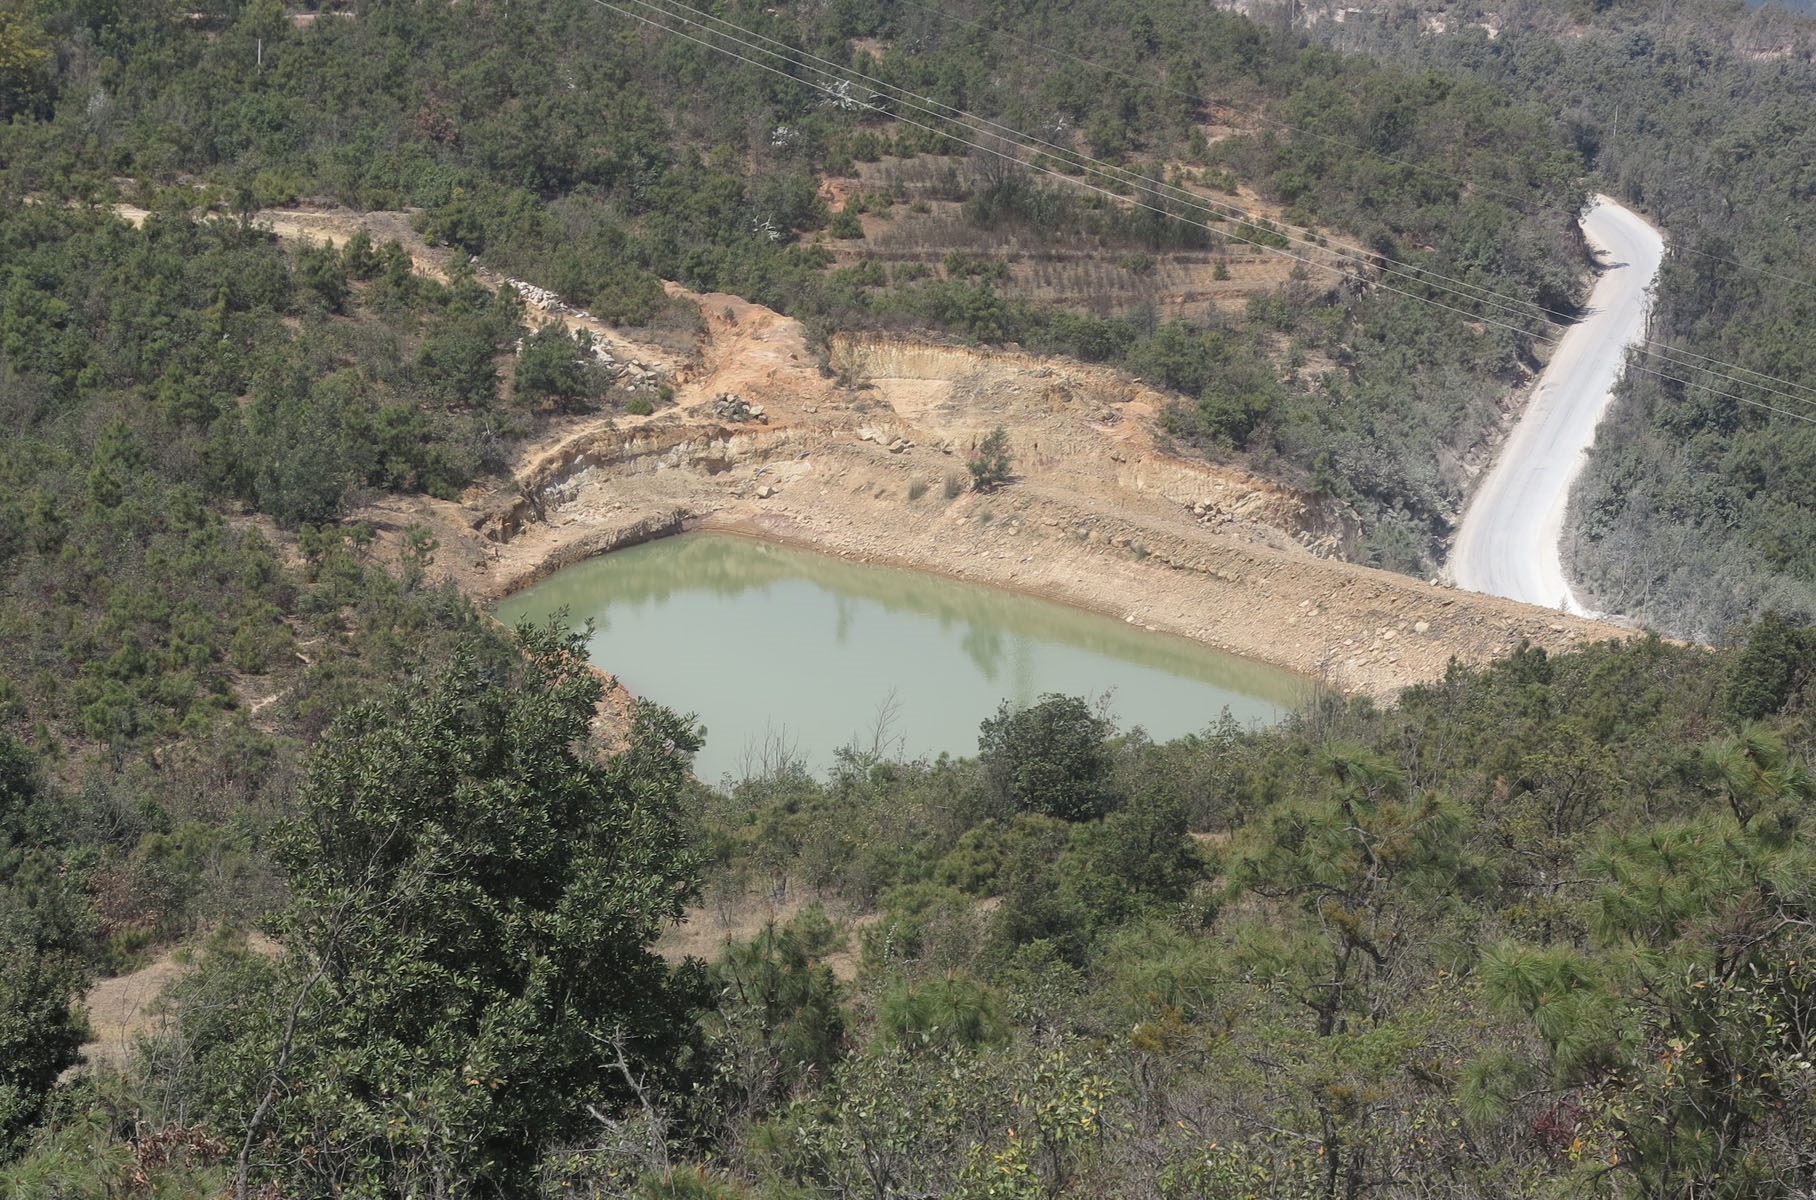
x: 838, y: 75
x: 1164, y: 212
x: 1475, y: 293
x: 1165, y: 193
x: 1363, y: 256
x: 1524, y: 202
x: 1110, y: 193
x: 1326, y: 137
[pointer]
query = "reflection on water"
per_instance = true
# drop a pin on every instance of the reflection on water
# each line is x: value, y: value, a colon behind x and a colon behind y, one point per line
x: 773, y: 646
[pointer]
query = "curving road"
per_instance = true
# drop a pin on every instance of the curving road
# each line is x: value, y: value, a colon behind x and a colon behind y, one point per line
x: 1508, y: 542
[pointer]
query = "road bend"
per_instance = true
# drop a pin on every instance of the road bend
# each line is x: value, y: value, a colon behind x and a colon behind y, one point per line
x: 1508, y: 544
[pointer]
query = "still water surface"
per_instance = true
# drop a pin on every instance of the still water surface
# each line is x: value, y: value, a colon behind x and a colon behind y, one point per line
x: 773, y: 646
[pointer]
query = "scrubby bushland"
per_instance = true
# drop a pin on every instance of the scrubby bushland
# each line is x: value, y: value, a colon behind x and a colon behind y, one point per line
x: 1695, y: 511
x: 1535, y: 929
x: 1511, y: 911
x: 473, y: 894
x: 564, y: 145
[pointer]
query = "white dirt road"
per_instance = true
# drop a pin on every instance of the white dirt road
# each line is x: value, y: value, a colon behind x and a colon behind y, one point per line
x: 1508, y: 542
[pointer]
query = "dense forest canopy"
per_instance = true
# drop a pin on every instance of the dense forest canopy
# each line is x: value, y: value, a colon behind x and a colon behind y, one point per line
x: 1536, y: 929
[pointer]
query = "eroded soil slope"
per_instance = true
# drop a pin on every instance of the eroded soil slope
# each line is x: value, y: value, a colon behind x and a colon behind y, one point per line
x: 863, y: 455
x: 1096, y: 516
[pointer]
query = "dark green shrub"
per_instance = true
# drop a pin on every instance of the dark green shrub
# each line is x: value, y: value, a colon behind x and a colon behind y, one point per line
x: 954, y: 1011
x: 1051, y: 758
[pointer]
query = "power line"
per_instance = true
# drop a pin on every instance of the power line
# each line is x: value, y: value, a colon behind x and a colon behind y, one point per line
x: 1171, y: 215
x: 996, y: 152
x: 1165, y: 193
x: 1330, y: 138
x: 1362, y: 257
x: 1232, y: 109
x: 1163, y: 212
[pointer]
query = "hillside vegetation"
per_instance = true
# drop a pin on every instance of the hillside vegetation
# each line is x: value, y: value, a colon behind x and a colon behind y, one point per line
x: 1541, y: 928
x: 566, y: 145
x: 1538, y: 930
x: 1695, y: 512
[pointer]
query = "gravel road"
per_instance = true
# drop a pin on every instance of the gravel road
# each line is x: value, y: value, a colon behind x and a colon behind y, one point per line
x: 1508, y: 543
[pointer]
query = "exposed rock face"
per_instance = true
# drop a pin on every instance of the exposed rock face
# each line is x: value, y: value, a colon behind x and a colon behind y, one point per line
x: 729, y: 406
x: 607, y: 536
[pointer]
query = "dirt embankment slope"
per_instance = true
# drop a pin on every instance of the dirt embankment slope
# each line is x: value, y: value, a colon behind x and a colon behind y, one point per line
x: 872, y: 468
x: 868, y: 463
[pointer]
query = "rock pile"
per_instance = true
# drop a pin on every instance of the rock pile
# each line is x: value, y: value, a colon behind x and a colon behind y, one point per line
x: 729, y: 406
x: 627, y: 373
x: 895, y: 445
x: 634, y: 374
x: 1209, y: 512
x: 541, y: 298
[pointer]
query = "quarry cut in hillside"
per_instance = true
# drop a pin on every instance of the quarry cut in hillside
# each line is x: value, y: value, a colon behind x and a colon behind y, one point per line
x: 870, y: 465
x: 863, y: 455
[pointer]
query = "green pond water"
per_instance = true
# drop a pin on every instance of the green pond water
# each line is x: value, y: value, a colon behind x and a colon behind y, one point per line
x: 781, y: 650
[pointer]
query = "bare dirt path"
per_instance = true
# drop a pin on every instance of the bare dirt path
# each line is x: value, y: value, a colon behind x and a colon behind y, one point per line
x: 125, y: 1008
x: 121, y: 1009
x: 336, y: 226
x: 1508, y: 541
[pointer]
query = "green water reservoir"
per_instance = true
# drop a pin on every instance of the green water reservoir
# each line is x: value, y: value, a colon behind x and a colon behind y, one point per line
x: 782, y: 649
